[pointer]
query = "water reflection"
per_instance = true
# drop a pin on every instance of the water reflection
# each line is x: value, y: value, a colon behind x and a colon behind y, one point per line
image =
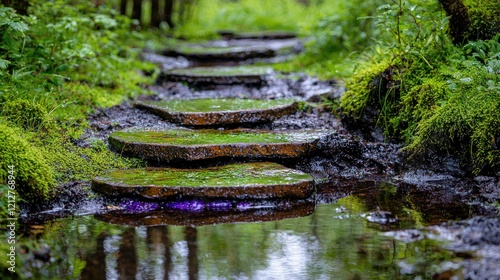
x: 331, y: 241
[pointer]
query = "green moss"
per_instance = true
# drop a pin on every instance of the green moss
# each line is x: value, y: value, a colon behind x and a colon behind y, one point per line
x: 222, y: 71
x: 75, y: 163
x: 28, y: 115
x: 362, y: 88
x: 419, y: 104
x: 33, y: 174
x: 221, y: 176
x: 483, y: 17
x: 215, y: 137
x: 466, y: 124
x: 218, y: 105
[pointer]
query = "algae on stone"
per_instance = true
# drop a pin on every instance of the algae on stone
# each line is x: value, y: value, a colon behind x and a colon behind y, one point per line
x: 183, y: 144
x: 222, y: 71
x: 211, y: 111
x: 246, y: 180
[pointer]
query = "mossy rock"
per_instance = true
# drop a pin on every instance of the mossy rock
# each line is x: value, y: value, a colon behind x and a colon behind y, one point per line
x: 259, y: 180
x: 33, y: 176
x: 285, y: 210
x: 258, y: 35
x: 208, y: 53
x: 217, y: 75
x: 188, y: 145
x: 208, y: 112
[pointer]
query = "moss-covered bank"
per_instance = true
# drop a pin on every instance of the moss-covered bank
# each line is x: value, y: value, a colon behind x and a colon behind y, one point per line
x: 433, y: 95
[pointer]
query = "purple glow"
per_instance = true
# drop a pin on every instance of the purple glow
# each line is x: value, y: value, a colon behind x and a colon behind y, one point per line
x: 139, y: 206
x: 243, y: 205
x: 219, y: 205
x: 189, y: 205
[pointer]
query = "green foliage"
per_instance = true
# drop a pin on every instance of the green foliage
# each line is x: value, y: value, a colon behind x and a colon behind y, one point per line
x: 362, y: 88
x: 469, y: 119
x: 34, y: 179
x: 446, y: 98
x: 419, y: 104
x: 58, y: 65
x: 28, y: 115
x: 75, y: 163
x: 210, y: 16
x: 483, y: 17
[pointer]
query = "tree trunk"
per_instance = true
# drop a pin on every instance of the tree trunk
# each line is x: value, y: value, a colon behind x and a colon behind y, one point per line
x: 167, y: 12
x: 123, y: 7
x: 155, y: 13
x: 459, y: 19
x: 137, y: 10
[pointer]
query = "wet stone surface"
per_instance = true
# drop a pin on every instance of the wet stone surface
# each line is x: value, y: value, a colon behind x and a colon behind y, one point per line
x: 237, y: 50
x: 250, y: 75
x: 202, y: 144
x: 258, y: 180
x: 219, y: 111
x: 262, y: 35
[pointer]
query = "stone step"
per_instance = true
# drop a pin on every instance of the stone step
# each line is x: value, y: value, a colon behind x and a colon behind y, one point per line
x: 260, y: 35
x: 178, y: 217
x: 240, y: 50
x: 258, y: 180
x: 217, y: 75
x: 219, y: 111
x: 188, y: 145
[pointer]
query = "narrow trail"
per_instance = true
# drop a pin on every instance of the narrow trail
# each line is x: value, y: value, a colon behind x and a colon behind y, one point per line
x: 220, y: 114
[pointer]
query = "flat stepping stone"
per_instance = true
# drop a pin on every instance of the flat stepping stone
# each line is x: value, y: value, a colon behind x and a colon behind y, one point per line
x: 217, y: 75
x: 288, y: 210
x: 209, y: 112
x: 260, y: 180
x: 232, y: 52
x: 200, y: 144
x: 262, y: 35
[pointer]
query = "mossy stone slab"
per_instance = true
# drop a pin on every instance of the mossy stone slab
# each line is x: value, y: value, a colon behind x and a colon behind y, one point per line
x: 293, y: 209
x: 219, y: 111
x: 260, y: 180
x: 217, y: 75
x: 259, y: 35
x: 227, y: 53
x: 187, y: 145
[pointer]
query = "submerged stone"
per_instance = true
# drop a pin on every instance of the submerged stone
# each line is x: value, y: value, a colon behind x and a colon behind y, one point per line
x: 217, y: 75
x: 252, y: 213
x: 188, y: 145
x: 211, y: 111
x: 260, y: 180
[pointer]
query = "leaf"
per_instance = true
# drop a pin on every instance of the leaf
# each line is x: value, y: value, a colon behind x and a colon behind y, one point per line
x: 4, y: 63
x: 18, y: 26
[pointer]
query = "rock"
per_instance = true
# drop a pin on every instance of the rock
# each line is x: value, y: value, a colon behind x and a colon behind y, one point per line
x: 217, y: 75
x: 259, y: 180
x: 187, y: 145
x: 223, y: 111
